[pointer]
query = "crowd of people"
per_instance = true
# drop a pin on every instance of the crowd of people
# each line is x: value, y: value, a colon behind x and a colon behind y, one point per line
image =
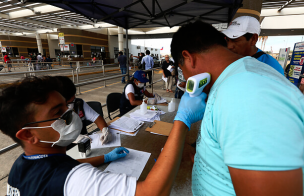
x: 250, y: 142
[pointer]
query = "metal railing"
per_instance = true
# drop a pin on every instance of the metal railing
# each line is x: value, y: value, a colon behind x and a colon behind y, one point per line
x: 78, y: 85
x: 32, y: 73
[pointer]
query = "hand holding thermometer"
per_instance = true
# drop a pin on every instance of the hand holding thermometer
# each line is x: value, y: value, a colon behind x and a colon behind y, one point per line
x: 197, y: 83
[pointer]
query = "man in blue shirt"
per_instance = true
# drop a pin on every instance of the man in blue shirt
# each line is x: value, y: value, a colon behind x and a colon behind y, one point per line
x: 149, y: 63
x: 122, y: 59
x: 251, y: 140
x: 242, y: 35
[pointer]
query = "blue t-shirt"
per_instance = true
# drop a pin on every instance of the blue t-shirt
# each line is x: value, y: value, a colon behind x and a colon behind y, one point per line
x: 269, y: 60
x: 122, y: 59
x: 253, y: 121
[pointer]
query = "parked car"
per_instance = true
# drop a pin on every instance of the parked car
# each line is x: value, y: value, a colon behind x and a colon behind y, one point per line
x: 156, y: 62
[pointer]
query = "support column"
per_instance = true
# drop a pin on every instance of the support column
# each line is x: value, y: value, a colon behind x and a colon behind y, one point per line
x: 120, y: 39
x: 250, y: 8
x: 51, y: 47
x: 127, y: 54
x: 39, y: 44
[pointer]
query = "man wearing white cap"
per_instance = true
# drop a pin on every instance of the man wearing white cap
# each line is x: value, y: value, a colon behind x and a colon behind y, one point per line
x: 242, y: 35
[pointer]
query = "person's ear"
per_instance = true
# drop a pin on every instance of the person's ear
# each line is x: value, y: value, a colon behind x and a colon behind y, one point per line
x: 189, y: 59
x: 26, y: 136
x: 254, y: 39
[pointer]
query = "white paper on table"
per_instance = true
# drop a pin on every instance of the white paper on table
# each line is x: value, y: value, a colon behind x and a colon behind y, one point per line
x: 131, y: 165
x: 162, y: 100
x: 96, y: 143
x: 164, y: 79
x: 124, y: 133
x: 149, y: 114
x: 126, y: 124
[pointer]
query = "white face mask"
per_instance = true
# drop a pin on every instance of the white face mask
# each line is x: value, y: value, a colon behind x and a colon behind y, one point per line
x: 68, y: 133
x: 140, y: 85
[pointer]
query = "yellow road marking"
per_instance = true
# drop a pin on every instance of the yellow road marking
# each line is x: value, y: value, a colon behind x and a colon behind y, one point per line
x: 99, y: 87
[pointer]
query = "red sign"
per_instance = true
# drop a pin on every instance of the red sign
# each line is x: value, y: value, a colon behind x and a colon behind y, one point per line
x: 72, y: 44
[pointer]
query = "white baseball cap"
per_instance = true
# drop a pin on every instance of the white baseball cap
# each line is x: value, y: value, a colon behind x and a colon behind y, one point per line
x: 242, y: 25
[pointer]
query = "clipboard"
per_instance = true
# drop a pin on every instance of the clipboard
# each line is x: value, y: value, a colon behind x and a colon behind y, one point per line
x: 118, y: 129
x: 160, y: 127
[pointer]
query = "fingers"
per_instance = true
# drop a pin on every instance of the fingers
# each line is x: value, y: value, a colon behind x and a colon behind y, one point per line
x: 126, y: 150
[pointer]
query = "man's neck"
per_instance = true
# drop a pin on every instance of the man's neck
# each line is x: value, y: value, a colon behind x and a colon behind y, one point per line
x: 217, y: 64
x: 253, y: 50
x: 32, y: 150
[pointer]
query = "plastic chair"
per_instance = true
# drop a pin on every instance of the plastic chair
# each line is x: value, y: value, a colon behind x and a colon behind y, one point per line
x: 113, y: 103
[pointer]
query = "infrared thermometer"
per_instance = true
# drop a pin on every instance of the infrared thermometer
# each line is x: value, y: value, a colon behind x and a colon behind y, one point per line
x: 197, y: 83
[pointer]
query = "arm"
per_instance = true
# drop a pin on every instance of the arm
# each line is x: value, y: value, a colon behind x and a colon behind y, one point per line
x: 150, y: 95
x: 100, y: 122
x: 160, y: 179
x: 264, y: 183
x: 133, y: 101
x: 94, y: 161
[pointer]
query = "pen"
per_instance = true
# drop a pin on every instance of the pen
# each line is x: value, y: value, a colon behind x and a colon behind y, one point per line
x: 155, y: 160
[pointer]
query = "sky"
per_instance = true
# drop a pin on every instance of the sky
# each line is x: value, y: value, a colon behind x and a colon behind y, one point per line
x: 276, y: 42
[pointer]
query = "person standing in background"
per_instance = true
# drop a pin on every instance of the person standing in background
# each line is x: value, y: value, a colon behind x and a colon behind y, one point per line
x: 167, y: 74
x: 131, y: 60
x: 148, y: 63
x: 242, y: 35
x: 122, y: 59
x: 7, y: 60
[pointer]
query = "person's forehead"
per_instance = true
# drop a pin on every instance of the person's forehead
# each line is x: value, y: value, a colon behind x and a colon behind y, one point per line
x: 54, y: 99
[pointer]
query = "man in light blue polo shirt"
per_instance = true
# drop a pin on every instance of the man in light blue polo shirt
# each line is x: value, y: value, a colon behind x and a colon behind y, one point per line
x: 251, y: 141
x: 242, y: 35
x: 149, y: 63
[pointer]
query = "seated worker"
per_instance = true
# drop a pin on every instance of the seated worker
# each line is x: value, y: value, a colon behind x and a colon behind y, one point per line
x: 36, y: 116
x: 68, y: 90
x: 134, y: 92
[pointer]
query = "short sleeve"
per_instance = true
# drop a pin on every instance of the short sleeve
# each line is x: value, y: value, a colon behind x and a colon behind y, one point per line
x: 85, y: 179
x: 129, y: 89
x: 90, y: 114
x: 259, y: 124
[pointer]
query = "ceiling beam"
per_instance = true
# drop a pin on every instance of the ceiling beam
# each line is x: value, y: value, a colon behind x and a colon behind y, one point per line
x: 284, y: 12
x: 16, y: 30
x: 285, y: 5
x: 38, y: 22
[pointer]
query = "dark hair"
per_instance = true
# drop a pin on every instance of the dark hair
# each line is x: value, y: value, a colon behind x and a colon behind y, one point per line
x: 147, y: 52
x: 195, y: 37
x: 120, y: 53
x: 63, y: 85
x: 15, y: 110
x: 248, y: 36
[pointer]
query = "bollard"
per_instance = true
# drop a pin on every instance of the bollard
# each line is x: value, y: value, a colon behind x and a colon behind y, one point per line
x: 103, y: 70
x: 78, y: 65
x: 73, y: 76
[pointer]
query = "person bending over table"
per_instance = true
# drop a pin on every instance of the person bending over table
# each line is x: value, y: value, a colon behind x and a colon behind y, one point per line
x: 67, y: 89
x: 134, y: 92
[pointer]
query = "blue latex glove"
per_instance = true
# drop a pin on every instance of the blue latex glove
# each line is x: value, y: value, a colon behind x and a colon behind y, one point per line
x: 191, y: 109
x: 115, y: 154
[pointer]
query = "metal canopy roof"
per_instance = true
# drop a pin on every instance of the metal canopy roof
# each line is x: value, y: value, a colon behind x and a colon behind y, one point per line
x: 150, y: 13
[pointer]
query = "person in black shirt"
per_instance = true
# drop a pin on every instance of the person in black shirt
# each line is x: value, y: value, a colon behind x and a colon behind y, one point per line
x: 167, y: 74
